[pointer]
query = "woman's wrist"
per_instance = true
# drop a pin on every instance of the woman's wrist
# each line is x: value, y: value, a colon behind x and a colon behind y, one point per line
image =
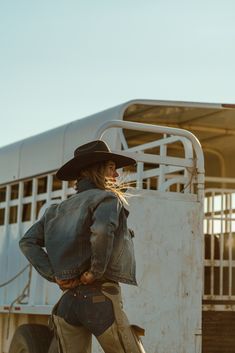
x: 87, y: 277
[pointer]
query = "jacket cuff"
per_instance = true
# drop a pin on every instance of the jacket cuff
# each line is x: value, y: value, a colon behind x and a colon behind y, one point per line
x: 96, y: 274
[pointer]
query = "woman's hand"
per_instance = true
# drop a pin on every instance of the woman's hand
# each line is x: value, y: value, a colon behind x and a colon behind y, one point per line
x: 87, y: 278
x: 67, y: 283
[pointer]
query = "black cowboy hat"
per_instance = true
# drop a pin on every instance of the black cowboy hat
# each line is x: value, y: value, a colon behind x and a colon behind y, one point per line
x: 88, y: 154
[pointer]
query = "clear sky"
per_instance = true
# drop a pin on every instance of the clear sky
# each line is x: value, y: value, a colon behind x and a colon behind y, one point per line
x: 61, y: 60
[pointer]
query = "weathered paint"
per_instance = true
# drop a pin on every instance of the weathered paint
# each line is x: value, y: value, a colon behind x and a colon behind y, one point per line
x: 169, y: 267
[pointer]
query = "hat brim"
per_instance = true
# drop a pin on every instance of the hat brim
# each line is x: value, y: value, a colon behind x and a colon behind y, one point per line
x: 71, y: 169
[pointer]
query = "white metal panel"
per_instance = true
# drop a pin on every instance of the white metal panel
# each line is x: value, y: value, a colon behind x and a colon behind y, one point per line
x: 41, y: 153
x: 169, y: 265
x: 9, y: 162
x: 12, y: 262
x: 49, y: 150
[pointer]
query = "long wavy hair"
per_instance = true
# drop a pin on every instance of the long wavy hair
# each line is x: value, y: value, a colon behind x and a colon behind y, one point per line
x: 96, y: 173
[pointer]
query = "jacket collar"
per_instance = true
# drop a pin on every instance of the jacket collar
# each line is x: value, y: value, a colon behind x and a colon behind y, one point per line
x: 85, y: 184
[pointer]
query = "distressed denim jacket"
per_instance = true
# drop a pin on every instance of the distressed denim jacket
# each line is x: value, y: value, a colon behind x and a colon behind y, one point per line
x: 88, y: 231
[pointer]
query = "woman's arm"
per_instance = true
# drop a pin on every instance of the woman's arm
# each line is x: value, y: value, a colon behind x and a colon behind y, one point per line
x: 105, y: 221
x: 32, y: 245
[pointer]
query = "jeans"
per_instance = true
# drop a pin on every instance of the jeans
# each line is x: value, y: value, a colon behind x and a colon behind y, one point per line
x: 88, y: 307
x: 92, y: 309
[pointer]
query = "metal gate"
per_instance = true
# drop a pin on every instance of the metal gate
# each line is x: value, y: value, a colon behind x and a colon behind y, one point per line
x: 219, y: 260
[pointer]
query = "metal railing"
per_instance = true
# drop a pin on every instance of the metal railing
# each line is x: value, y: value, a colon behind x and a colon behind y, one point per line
x: 185, y: 173
x: 219, y: 261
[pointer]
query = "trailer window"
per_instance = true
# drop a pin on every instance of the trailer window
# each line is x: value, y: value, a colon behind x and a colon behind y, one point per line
x: 28, y: 186
x: 233, y: 282
x: 14, y: 191
x: 3, y: 194
x: 42, y: 185
x: 56, y: 183
x: 207, y: 276
x: 13, y: 214
x: 26, y: 215
x: 39, y: 206
x: 216, y: 280
x: 71, y: 183
x: 2, y: 216
x: 225, y: 281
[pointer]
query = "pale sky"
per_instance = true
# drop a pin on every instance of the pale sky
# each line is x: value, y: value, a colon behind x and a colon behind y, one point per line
x: 62, y: 60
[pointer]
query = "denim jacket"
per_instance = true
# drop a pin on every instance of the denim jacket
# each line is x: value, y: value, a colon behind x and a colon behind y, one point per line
x: 88, y: 231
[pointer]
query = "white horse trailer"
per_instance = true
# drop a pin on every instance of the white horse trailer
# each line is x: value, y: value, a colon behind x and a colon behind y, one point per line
x: 166, y: 214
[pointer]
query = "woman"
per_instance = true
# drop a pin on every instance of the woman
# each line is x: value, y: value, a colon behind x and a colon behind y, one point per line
x: 89, y: 251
